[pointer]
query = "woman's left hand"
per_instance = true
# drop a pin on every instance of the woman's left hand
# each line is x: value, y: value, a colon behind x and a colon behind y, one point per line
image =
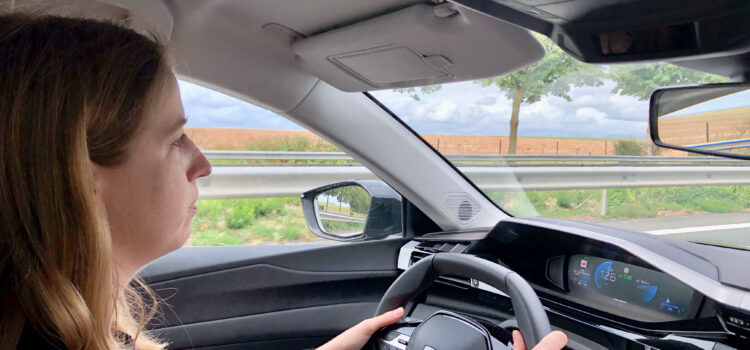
x: 356, y: 337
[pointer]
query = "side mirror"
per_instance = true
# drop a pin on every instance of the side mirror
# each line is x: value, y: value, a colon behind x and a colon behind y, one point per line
x: 709, y: 119
x: 353, y: 210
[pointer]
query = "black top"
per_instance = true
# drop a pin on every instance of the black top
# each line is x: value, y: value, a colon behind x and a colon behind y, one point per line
x: 31, y: 338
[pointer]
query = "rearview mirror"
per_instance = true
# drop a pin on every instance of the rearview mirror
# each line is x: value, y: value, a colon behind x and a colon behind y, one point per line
x: 353, y: 210
x: 710, y: 119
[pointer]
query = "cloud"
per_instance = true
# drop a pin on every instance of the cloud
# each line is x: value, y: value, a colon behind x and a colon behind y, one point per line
x: 207, y: 108
x: 460, y: 108
x: 590, y: 112
x: 486, y: 101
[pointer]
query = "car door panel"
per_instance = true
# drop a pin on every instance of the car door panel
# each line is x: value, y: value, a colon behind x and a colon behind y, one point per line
x: 278, y: 296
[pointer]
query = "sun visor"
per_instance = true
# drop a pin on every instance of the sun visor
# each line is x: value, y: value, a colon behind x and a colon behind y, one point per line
x: 149, y: 14
x: 418, y: 45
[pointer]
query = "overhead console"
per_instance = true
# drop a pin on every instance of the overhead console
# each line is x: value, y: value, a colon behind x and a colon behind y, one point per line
x: 632, y: 30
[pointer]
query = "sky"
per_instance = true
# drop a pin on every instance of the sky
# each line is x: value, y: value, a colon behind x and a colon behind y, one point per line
x: 735, y: 100
x: 459, y: 108
x: 207, y: 108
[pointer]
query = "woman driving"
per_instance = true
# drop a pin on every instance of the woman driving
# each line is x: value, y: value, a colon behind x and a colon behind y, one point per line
x: 97, y: 179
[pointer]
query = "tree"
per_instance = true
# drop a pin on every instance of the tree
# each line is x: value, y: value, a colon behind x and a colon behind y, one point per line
x: 355, y: 197
x: 424, y: 89
x: 553, y: 75
x: 640, y: 82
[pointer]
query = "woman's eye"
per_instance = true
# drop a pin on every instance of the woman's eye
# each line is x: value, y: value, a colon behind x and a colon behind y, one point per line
x: 180, y: 141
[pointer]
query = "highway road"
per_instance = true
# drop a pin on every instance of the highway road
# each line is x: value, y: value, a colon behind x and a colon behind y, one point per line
x: 730, y: 229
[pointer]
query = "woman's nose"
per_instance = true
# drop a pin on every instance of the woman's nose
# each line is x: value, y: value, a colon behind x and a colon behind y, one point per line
x: 199, y: 167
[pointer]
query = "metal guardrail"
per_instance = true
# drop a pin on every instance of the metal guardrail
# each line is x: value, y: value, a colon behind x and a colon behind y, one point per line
x: 328, y: 215
x: 290, y: 181
x: 492, y: 159
x: 492, y: 173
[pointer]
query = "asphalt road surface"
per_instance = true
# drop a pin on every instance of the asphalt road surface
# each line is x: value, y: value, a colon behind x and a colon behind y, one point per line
x: 730, y: 229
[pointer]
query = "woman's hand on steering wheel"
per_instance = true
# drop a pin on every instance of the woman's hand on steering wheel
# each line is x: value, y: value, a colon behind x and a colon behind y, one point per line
x: 356, y: 337
x: 555, y: 340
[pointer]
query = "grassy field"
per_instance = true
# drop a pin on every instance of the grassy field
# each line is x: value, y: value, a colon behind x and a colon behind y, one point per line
x: 585, y: 205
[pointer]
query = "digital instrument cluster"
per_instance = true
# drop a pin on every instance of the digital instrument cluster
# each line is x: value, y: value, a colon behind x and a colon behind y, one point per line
x: 627, y: 289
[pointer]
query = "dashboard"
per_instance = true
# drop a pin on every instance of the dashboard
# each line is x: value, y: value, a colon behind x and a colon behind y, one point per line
x: 629, y: 290
x: 600, y: 282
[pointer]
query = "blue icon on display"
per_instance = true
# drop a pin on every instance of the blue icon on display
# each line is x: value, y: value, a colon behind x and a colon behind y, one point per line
x: 647, y: 293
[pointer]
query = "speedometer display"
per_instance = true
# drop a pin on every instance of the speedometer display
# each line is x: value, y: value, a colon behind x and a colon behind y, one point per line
x: 628, y: 290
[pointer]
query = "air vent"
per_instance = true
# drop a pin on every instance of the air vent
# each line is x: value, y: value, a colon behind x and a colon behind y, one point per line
x: 443, y: 247
x: 416, y: 256
x: 425, y: 249
x: 461, y: 207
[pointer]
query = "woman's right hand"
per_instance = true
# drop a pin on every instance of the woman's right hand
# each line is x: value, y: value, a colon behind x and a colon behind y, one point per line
x: 554, y: 341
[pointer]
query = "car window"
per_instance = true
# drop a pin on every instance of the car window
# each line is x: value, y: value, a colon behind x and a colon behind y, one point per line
x: 259, y: 207
x: 570, y: 140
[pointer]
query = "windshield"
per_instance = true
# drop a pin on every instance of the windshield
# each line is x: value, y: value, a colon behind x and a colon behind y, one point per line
x: 570, y: 140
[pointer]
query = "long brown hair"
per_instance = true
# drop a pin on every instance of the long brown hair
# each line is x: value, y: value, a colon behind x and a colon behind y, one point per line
x: 73, y: 91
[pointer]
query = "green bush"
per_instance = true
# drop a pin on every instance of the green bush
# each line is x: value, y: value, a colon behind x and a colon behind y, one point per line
x: 240, y: 214
x: 237, y: 219
x: 268, y: 206
x: 628, y: 148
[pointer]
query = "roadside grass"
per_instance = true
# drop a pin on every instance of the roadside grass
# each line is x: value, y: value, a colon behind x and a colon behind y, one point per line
x: 249, y: 221
x: 626, y: 203
x: 331, y: 226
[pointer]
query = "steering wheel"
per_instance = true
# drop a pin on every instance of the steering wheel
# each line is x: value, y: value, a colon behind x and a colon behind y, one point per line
x: 447, y: 330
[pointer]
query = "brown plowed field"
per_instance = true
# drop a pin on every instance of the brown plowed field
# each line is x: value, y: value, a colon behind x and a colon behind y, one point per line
x: 254, y: 139
x: 714, y: 126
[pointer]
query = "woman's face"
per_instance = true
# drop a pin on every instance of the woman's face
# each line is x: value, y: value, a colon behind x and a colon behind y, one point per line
x: 150, y: 198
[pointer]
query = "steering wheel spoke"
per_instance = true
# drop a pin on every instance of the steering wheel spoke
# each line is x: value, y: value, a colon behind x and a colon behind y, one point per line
x: 445, y: 329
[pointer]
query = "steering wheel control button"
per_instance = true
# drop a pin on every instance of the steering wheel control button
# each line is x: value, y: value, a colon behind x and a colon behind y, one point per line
x: 398, y: 343
x: 448, y: 330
